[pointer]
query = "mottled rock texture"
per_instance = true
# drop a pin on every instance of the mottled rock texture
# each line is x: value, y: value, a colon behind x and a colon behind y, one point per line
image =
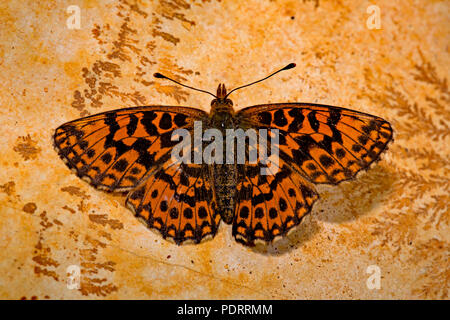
x: 394, y: 216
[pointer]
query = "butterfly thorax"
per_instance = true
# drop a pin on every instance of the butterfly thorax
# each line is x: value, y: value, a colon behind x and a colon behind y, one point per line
x: 224, y: 176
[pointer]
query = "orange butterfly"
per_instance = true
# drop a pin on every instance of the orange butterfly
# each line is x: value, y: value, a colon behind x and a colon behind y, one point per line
x: 130, y: 150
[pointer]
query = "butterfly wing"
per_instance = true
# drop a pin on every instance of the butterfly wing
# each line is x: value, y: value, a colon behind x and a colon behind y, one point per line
x: 324, y: 144
x: 115, y: 150
x: 178, y: 201
x: 270, y: 205
x: 318, y: 144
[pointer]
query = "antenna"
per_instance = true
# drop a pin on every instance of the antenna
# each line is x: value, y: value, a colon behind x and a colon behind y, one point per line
x: 289, y: 66
x: 161, y: 76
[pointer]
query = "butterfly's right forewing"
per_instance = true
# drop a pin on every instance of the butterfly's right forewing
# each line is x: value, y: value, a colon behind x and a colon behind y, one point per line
x: 324, y: 144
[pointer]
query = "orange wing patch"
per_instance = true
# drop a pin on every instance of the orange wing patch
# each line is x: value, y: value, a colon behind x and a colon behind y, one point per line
x: 115, y: 150
x: 177, y: 201
x: 325, y: 144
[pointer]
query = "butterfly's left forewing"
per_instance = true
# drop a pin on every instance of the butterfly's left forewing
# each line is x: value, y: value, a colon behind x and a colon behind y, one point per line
x: 115, y: 150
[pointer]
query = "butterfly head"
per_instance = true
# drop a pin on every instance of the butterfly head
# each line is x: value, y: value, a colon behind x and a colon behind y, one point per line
x: 221, y: 103
x: 221, y: 91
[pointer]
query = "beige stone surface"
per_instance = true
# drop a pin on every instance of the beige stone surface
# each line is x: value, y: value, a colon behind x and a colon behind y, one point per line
x: 395, y: 216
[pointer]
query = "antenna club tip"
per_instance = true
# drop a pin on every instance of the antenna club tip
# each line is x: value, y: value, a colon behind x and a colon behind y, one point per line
x: 289, y: 66
x: 158, y: 75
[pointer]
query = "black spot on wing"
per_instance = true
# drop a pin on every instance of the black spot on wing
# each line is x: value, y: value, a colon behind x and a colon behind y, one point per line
x: 265, y: 118
x: 333, y: 119
x: 326, y: 161
x: 202, y: 213
x: 244, y: 212
x: 363, y: 139
x: 340, y: 153
x: 121, y: 165
x: 163, y: 206
x: 180, y: 120
x: 174, y: 213
x: 313, y: 122
x: 356, y: 148
x: 259, y: 213
x: 166, y: 121
x: 187, y: 213
x: 147, y: 122
x: 132, y: 125
x: 279, y: 118
x: 282, y: 203
x: 273, y: 213
x: 297, y: 122
x: 90, y: 153
x: 106, y: 158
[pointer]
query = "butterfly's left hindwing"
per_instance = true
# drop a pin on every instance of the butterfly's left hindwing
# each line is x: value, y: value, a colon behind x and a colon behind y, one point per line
x: 115, y: 150
x: 178, y: 201
x: 325, y: 144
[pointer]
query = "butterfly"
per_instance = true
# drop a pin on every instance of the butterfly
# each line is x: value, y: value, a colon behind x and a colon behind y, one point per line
x: 129, y: 150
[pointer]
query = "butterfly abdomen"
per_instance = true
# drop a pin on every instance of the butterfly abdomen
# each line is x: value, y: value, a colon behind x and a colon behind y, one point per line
x: 224, y: 176
x: 225, y: 180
